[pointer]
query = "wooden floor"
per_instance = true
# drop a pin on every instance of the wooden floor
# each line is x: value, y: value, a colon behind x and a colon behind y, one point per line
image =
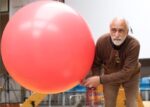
x: 36, y: 98
x: 146, y: 103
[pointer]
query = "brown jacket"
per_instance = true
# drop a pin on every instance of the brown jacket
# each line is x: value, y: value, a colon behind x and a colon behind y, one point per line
x: 120, y: 63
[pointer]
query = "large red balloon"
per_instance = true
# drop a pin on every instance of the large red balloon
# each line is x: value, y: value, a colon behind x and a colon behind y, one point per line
x: 47, y: 47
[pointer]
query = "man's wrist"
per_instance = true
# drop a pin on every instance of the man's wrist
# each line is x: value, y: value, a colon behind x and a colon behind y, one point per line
x: 100, y: 79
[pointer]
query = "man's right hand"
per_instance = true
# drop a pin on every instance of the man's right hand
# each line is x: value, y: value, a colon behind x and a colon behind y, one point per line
x: 93, y: 81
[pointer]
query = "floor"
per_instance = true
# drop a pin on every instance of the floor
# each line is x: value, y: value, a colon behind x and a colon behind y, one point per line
x: 146, y: 103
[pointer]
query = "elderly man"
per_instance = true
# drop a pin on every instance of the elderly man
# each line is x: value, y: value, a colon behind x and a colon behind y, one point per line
x: 117, y: 56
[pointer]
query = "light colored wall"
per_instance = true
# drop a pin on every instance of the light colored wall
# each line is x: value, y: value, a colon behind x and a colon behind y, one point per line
x: 98, y: 14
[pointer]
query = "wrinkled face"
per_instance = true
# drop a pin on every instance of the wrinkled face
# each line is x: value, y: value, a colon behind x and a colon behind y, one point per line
x: 118, y: 31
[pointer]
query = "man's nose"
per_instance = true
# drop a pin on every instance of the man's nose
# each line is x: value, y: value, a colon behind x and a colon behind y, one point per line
x: 117, y: 34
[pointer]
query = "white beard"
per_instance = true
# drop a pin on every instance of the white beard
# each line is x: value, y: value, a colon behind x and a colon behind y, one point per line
x: 118, y: 42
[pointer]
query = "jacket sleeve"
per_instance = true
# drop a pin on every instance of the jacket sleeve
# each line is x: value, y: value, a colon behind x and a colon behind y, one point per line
x: 97, y: 64
x: 130, y: 67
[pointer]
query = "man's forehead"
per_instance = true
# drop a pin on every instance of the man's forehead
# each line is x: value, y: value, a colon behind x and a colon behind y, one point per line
x: 118, y: 23
x: 118, y: 26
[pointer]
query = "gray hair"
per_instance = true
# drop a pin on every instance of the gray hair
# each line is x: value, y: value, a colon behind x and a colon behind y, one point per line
x: 122, y: 19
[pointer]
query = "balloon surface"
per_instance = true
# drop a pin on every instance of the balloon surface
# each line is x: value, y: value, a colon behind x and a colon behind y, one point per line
x: 47, y: 47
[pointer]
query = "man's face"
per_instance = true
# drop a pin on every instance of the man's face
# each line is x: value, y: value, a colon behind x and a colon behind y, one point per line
x: 118, y: 31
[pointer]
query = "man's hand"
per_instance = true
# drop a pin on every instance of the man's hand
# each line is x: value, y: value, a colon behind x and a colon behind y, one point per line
x: 93, y: 81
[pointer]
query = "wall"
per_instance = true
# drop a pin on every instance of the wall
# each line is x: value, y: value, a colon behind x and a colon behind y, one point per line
x: 98, y: 14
